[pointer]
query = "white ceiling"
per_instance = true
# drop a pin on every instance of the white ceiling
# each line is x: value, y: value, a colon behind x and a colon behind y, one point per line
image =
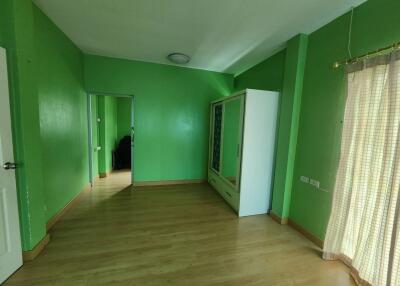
x: 220, y: 35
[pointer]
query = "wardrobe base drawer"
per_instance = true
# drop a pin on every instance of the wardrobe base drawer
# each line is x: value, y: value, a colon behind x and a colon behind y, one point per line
x: 230, y: 195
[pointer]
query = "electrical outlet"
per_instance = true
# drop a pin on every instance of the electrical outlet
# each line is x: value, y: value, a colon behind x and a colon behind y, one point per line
x: 305, y: 179
x: 315, y: 183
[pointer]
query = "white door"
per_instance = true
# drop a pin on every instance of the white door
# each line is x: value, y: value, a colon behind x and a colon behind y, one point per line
x: 10, y: 241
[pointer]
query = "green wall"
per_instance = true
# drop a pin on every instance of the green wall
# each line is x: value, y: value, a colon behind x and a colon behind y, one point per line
x: 17, y: 36
x: 321, y: 103
x: 171, y: 113
x: 48, y: 115
x: 63, y: 114
x: 376, y: 24
x: 107, y: 131
x: 267, y: 75
x: 3, y: 23
x: 124, y: 110
x: 95, y: 136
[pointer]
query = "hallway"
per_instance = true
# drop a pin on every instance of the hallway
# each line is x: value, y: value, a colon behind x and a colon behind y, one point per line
x: 177, y: 235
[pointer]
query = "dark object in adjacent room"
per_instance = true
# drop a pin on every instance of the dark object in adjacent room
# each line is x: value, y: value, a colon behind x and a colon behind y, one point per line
x: 122, y: 154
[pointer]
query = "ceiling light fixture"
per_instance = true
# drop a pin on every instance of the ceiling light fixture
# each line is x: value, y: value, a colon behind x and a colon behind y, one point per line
x: 178, y: 58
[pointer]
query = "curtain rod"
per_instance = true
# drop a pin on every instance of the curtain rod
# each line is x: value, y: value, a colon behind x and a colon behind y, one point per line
x: 381, y: 51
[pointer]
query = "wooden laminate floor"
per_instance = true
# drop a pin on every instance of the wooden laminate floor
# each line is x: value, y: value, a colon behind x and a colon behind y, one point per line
x: 179, y: 235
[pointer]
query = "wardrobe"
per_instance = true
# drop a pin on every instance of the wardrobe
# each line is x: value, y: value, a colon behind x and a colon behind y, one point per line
x: 242, y: 149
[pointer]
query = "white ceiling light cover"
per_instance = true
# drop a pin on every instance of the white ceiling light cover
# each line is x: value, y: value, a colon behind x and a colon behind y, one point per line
x: 178, y: 58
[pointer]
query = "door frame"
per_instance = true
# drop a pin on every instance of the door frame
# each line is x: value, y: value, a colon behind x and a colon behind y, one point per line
x: 90, y: 130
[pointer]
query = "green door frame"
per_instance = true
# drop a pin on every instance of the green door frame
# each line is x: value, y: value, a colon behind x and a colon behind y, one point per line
x: 90, y: 129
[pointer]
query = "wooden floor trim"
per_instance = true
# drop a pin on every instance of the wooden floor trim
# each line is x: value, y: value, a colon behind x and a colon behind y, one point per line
x: 318, y: 242
x: 32, y: 254
x: 68, y: 206
x: 168, y: 183
x: 278, y: 219
x: 103, y: 175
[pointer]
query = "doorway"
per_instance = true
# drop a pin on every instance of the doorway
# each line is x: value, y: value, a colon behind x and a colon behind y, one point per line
x: 111, y: 134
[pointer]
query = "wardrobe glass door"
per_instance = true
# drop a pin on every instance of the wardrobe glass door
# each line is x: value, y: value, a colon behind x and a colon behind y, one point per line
x: 217, y: 110
x: 232, y: 124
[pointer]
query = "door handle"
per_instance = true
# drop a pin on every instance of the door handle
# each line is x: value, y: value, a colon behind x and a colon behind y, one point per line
x: 9, y: 166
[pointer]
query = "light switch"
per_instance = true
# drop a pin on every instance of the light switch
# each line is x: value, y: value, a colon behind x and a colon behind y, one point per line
x: 305, y: 179
x: 315, y: 183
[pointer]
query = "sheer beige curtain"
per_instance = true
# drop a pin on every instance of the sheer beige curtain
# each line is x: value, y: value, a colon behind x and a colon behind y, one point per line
x: 363, y: 229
